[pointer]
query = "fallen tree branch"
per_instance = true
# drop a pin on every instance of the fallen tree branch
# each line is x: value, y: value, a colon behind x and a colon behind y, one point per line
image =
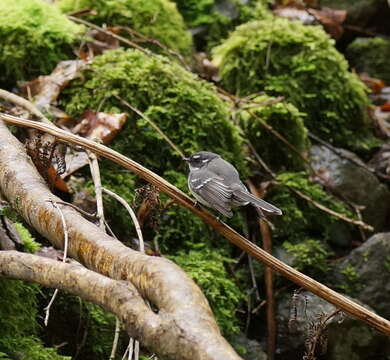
x: 117, y: 297
x: 22, y: 102
x: 192, y: 332
x: 91, y: 259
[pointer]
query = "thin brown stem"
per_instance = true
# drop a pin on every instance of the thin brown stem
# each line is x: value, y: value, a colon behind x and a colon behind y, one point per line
x: 153, y: 125
x: 346, y: 305
x: 110, y: 33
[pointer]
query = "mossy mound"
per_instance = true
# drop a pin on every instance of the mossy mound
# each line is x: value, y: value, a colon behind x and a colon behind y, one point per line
x: 301, y: 63
x: 34, y: 37
x: 187, y: 109
x: 158, y: 19
x: 196, y: 12
x: 302, y: 219
x: 287, y: 121
x: 206, y: 268
x: 370, y: 56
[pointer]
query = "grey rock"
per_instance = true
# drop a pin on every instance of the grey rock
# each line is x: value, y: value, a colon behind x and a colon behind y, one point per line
x: 371, y: 263
x: 253, y: 349
x: 355, y: 184
x: 347, y: 338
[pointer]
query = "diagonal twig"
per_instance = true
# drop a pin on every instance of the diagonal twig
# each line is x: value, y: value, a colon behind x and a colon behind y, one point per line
x: 346, y: 305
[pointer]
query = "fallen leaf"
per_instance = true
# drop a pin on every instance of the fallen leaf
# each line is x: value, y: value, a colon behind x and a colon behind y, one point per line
x: 385, y: 107
x: 46, y: 88
x: 331, y: 20
x: 374, y: 84
x: 294, y: 13
x: 100, y: 126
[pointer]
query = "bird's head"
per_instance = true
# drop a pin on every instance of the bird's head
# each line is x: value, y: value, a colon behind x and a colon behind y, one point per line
x: 200, y: 159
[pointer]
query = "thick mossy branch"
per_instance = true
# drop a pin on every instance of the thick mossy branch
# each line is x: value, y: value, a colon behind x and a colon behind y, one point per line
x: 301, y: 63
x: 157, y: 19
x: 93, y: 257
x: 34, y: 37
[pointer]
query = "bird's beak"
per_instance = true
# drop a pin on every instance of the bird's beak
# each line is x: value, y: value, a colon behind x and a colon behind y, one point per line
x: 186, y: 159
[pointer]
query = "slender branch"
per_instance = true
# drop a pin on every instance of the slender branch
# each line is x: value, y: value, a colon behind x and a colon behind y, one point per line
x: 141, y: 249
x: 268, y: 279
x: 133, y: 217
x: 346, y: 305
x: 95, y: 172
x: 22, y: 102
x: 281, y: 138
x: 66, y: 238
x: 153, y: 125
x: 359, y: 223
x: 157, y: 43
x: 110, y: 33
x: 340, y: 153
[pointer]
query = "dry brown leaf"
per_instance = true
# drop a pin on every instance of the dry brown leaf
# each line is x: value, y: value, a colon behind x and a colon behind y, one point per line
x: 294, y: 13
x: 45, y: 89
x: 331, y: 20
x: 374, y: 84
x: 100, y: 126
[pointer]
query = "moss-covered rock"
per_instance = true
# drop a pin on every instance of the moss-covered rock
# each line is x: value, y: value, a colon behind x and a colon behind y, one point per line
x: 206, y: 267
x: 309, y: 256
x: 187, y: 109
x: 286, y: 119
x: 301, y: 63
x: 158, y: 19
x: 371, y: 55
x: 34, y: 37
x: 301, y: 219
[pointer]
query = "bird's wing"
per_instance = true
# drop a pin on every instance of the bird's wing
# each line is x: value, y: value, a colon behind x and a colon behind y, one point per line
x: 213, y: 191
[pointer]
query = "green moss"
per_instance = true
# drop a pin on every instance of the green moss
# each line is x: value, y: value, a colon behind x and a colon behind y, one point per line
x: 85, y: 328
x: 29, y: 243
x: 370, y: 55
x: 351, y: 285
x: 387, y: 263
x: 34, y: 37
x: 196, y: 12
x: 158, y: 19
x: 206, y: 268
x: 186, y: 108
x: 301, y: 63
x: 301, y: 218
x: 18, y: 322
x: 310, y: 255
x: 29, y: 347
x: 286, y: 120
x: 256, y: 10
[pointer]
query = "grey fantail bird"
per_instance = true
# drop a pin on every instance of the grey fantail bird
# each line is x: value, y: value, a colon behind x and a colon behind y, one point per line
x: 216, y: 183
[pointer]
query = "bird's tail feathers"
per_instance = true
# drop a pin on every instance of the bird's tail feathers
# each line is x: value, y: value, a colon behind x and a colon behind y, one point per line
x: 260, y: 203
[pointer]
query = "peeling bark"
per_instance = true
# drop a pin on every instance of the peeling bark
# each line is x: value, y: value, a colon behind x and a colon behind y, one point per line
x: 192, y: 332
